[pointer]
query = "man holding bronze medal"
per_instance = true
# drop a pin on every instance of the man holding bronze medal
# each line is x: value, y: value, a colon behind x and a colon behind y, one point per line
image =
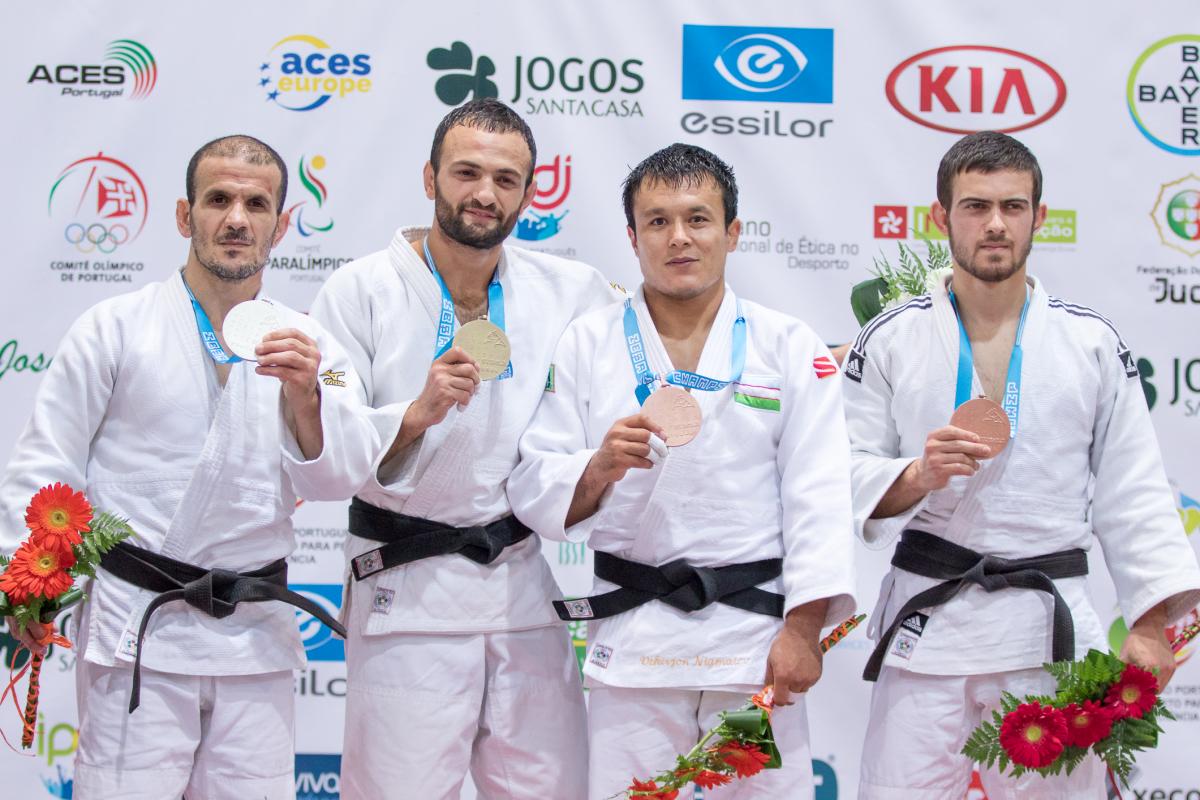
x: 147, y: 409
x: 996, y: 429
x: 456, y: 660
x: 696, y: 440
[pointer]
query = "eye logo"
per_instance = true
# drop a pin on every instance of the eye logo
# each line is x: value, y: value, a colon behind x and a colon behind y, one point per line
x: 762, y: 62
x: 313, y: 185
x: 101, y: 203
x: 319, y: 642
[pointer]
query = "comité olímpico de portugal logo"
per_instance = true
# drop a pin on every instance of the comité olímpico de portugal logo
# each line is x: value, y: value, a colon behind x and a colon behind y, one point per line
x: 1163, y: 94
x: 543, y: 219
x: 1176, y: 215
x: 969, y: 88
x: 571, y: 85
x: 303, y: 73
x: 914, y: 222
x: 757, y: 65
x: 128, y: 70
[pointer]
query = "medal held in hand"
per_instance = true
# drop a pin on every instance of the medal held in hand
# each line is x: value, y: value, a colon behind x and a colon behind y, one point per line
x: 987, y: 420
x: 246, y: 324
x: 676, y: 412
x: 487, y: 345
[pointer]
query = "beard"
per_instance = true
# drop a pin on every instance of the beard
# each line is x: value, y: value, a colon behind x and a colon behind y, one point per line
x: 208, y: 254
x: 989, y: 269
x: 454, y: 225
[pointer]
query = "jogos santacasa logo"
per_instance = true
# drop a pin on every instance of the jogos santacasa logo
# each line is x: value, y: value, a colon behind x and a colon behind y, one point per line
x: 100, y: 202
x: 1176, y: 215
x: 306, y: 170
x: 553, y: 186
x: 127, y: 65
x: 303, y: 73
x: 1163, y: 94
x: 969, y: 88
x: 903, y: 222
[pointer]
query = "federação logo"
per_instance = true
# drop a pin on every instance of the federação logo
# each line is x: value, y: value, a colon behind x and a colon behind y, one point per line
x: 1163, y: 94
x: 1176, y: 214
x: 128, y: 65
x: 777, y: 65
x: 99, y: 202
x: 303, y: 73
x: 543, y: 219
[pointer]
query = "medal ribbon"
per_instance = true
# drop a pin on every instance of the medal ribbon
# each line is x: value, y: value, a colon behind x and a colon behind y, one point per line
x: 445, y: 328
x: 966, y: 368
x: 208, y: 336
x: 679, y: 377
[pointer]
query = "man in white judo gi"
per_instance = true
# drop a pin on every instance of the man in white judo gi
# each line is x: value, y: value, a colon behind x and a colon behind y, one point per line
x: 956, y: 629
x: 455, y: 658
x: 146, y: 411
x: 717, y: 561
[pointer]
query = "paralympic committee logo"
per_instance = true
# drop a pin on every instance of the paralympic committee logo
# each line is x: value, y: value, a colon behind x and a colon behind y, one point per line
x: 1176, y: 215
x: 316, y: 189
x: 779, y: 65
x: 1163, y: 94
x: 100, y: 202
x: 320, y: 643
x: 553, y: 185
x: 303, y: 73
x: 127, y: 64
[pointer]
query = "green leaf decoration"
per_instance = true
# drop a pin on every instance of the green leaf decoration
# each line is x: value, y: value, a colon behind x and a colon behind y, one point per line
x: 865, y: 299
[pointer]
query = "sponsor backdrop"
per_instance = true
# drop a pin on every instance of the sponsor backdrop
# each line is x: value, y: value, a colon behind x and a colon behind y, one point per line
x: 834, y: 118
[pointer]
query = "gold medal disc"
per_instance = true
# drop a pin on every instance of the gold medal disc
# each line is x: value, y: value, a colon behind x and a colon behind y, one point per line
x: 986, y: 419
x: 676, y: 412
x: 487, y: 345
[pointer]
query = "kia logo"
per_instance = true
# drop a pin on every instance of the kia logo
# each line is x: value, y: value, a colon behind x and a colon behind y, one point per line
x: 969, y: 88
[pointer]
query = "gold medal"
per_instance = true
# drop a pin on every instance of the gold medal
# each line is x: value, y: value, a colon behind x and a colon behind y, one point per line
x: 487, y: 345
x: 986, y: 419
x: 676, y: 412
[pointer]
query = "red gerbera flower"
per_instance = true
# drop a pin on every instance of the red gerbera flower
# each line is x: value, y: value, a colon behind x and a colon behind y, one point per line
x: 36, y: 570
x: 746, y: 759
x: 707, y: 779
x: 1087, y: 724
x: 58, y: 514
x: 1033, y: 734
x: 1133, y: 694
x: 648, y: 790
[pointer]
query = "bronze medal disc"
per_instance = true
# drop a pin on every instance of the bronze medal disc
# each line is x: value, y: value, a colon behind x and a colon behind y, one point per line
x: 986, y: 419
x: 676, y: 412
x: 487, y: 344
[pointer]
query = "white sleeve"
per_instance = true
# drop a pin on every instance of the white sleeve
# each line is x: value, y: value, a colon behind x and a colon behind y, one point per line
x: 1133, y: 510
x: 814, y: 469
x: 67, y: 411
x: 875, y: 457
x: 554, y: 449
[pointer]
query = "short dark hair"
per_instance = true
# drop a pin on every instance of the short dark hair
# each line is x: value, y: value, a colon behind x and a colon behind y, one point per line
x: 986, y: 151
x: 682, y: 165
x: 485, y: 114
x: 246, y: 148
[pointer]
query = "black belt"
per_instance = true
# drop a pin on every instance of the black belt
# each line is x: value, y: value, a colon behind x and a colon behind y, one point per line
x: 216, y: 592
x: 407, y: 539
x: 678, y: 584
x: 931, y: 556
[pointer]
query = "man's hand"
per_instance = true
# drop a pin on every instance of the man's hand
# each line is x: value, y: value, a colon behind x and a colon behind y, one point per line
x: 626, y: 446
x: 1147, y: 645
x: 452, y: 380
x: 949, y: 451
x: 292, y: 357
x: 795, y: 661
x: 31, y: 636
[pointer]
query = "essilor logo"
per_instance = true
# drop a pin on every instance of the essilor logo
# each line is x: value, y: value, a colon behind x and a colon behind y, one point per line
x: 761, y: 62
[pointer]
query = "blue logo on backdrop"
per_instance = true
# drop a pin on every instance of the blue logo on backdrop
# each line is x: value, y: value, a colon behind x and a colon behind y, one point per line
x: 320, y: 643
x: 779, y: 65
x: 318, y: 776
x: 824, y: 780
x: 61, y: 786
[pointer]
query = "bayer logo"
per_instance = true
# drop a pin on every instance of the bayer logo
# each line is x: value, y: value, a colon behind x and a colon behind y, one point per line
x: 320, y: 643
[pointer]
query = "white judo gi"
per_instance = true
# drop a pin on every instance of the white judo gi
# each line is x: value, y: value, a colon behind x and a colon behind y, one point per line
x: 1084, y: 463
x: 454, y: 665
x: 131, y: 413
x: 768, y: 476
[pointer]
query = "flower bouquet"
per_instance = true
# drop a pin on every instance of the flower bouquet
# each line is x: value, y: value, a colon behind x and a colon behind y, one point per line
x: 893, y: 285
x: 66, y: 541
x: 1102, y: 705
x: 741, y: 745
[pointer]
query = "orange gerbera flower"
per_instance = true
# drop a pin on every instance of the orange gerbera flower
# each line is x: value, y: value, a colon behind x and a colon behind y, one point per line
x: 648, y: 790
x: 765, y: 699
x: 707, y: 779
x: 58, y: 514
x: 746, y: 759
x: 37, y: 570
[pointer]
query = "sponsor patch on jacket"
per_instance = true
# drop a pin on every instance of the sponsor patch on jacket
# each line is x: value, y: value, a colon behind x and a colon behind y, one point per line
x: 915, y: 623
x: 382, y: 602
x: 331, y: 378
x: 824, y: 366
x: 1128, y: 362
x: 854, y: 365
x: 601, y: 655
x: 550, y: 380
x: 904, y: 644
x: 761, y: 393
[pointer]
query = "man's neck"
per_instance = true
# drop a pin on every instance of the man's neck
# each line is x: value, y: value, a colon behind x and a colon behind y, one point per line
x: 985, y: 306
x: 690, y: 319
x: 467, y: 271
x: 217, y: 296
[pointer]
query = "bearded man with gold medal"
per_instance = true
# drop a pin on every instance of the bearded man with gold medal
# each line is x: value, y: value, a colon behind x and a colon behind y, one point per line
x: 995, y: 429
x: 452, y: 639
x: 696, y: 440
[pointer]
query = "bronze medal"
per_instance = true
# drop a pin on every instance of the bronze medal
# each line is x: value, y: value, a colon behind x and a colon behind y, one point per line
x: 487, y: 345
x: 986, y: 419
x: 676, y: 412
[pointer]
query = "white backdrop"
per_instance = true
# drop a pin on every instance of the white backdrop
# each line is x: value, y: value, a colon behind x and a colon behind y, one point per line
x: 105, y: 103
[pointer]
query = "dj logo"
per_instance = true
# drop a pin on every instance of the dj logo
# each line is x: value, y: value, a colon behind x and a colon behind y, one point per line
x: 553, y: 186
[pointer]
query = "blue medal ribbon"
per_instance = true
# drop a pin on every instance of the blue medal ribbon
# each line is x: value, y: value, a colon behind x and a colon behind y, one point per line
x: 635, y: 344
x: 966, y: 368
x: 207, y: 335
x: 445, y: 328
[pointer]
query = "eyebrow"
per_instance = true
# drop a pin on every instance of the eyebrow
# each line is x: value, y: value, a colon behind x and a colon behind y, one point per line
x: 473, y: 165
x: 1012, y: 199
x: 692, y: 210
